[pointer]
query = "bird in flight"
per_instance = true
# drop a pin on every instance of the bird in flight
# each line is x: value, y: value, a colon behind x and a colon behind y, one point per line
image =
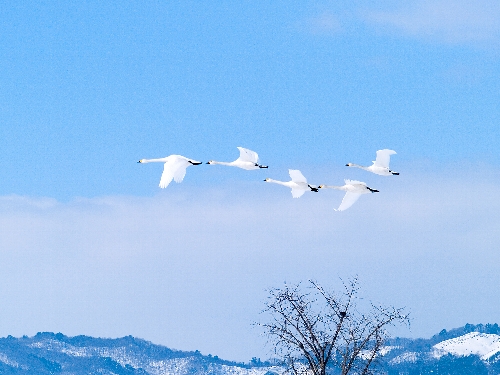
x: 353, y: 190
x: 248, y: 160
x: 380, y: 165
x: 174, y: 168
x: 298, y: 184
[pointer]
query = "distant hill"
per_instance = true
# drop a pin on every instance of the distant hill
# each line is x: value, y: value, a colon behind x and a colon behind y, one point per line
x: 471, y: 349
x: 49, y: 353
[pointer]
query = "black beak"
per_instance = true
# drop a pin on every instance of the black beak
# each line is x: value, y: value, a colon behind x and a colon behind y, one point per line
x: 395, y: 173
x: 207, y: 162
x: 139, y: 161
x: 373, y: 190
x: 263, y: 166
x: 347, y: 165
x: 195, y: 163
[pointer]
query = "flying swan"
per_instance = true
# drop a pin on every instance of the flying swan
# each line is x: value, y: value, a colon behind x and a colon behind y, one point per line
x: 298, y: 184
x: 174, y: 168
x: 353, y: 190
x: 248, y: 160
x: 380, y: 165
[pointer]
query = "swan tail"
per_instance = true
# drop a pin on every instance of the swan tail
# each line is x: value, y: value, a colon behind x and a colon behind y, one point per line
x: 315, y: 189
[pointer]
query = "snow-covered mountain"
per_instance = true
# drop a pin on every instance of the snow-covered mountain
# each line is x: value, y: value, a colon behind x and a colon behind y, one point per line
x: 49, y: 353
x: 472, y: 349
x: 483, y: 345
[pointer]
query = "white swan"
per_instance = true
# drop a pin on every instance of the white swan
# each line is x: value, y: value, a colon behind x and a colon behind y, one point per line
x: 353, y: 190
x: 247, y: 160
x: 298, y: 184
x: 174, y: 168
x: 380, y: 165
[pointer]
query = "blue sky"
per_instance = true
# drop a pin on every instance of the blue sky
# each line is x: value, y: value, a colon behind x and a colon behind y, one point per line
x: 90, y: 245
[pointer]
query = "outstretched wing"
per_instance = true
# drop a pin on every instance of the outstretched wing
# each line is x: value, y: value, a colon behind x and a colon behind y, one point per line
x: 297, y: 193
x: 179, y: 165
x: 248, y: 155
x: 383, y: 158
x: 349, y: 199
x: 179, y: 173
x: 174, y: 168
x: 167, y: 175
x: 296, y: 176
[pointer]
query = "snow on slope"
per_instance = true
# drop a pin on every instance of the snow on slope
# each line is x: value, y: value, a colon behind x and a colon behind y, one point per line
x: 172, y: 366
x: 366, y: 354
x: 410, y: 357
x: 482, y: 344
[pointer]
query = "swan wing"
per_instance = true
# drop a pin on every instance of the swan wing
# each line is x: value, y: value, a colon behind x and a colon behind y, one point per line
x: 297, y: 193
x: 167, y: 175
x: 349, y: 199
x: 383, y: 158
x: 179, y: 165
x: 248, y: 155
x: 179, y: 173
x: 296, y: 176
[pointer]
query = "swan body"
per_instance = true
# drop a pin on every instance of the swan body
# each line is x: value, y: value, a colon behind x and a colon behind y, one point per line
x: 380, y: 165
x: 298, y: 184
x: 353, y: 190
x: 248, y: 160
x: 174, y: 168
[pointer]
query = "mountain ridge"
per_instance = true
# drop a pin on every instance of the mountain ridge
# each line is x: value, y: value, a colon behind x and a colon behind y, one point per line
x: 471, y: 349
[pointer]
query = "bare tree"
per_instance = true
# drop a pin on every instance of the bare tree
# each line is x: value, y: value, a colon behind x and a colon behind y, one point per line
x: 318, y: 332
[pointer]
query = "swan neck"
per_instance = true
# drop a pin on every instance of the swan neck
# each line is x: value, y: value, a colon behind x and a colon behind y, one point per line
x: 144, y: 161
x: 222, y: 163
x: 333, y: 187
x: 357, y: 166
x: 277, y: 182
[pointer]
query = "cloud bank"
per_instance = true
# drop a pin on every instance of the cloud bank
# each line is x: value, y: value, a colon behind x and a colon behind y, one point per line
x: 188, y: 268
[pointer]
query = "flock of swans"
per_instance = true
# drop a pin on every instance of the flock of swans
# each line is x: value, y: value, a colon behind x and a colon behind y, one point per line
x: 175, y: 169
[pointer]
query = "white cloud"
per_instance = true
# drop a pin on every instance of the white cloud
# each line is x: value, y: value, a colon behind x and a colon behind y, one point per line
x: 190, y: 269
x: 450, y: 21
